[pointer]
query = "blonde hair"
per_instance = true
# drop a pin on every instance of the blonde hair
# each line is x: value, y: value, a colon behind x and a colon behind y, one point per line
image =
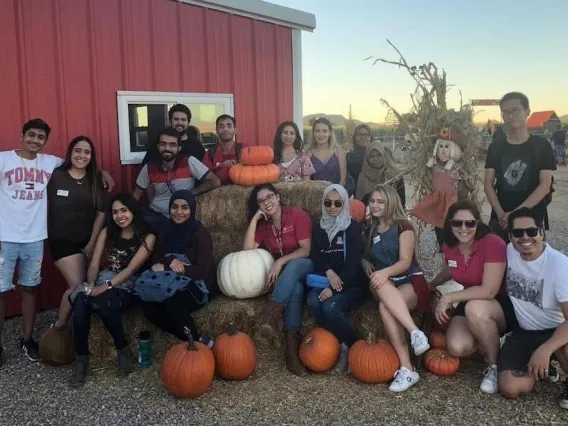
x: 394, y: 212
x: 332, y: 141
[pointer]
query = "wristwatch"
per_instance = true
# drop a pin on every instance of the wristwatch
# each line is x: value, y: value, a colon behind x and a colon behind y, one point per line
x: 108, y: 283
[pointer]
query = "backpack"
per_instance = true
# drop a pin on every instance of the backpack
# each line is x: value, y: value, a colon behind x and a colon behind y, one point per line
x: 212, y: 151
x: 499, y: 144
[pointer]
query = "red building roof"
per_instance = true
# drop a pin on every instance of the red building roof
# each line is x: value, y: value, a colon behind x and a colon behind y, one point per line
x: 538, y: 119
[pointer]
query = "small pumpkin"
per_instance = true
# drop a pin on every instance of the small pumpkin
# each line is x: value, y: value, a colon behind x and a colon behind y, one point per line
x: 244, y: 274
x: 437, y: 339
x: 373, y: 361
x: 56, y: 347
x: 440, y: 362
x: 254, y: 175
x: 358, y: 210
x: 319, y: 350
x: 188, y: 368
x: 235, y: 355
x: 257, y: 155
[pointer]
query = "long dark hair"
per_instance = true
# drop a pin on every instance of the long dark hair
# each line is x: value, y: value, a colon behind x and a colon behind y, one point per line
x: 138, y: 223
x: 482, y: 228
x: 94, y: 175
x: 252, y: 207
x: 279, y: 145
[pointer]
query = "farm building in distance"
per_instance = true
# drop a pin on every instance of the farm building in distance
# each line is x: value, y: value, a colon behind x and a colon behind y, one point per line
x: 110, y: 69
x: 545, y: 122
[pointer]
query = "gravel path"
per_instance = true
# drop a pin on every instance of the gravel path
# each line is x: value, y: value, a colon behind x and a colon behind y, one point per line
x: 34, y: 394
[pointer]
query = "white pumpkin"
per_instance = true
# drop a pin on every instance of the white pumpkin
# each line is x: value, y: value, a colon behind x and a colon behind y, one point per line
x: 244, y: 274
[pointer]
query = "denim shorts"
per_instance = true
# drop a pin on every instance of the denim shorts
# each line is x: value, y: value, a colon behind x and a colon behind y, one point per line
x: 30, y: 256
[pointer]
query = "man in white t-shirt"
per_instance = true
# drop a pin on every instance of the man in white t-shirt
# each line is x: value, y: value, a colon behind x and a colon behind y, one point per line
x: 24, y: 175
x: 537, y: 283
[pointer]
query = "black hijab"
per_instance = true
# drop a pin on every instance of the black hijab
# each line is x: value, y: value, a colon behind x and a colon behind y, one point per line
x: 180, y: 237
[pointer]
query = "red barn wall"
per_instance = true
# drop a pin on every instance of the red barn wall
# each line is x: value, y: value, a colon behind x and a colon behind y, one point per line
x: 64, y: 61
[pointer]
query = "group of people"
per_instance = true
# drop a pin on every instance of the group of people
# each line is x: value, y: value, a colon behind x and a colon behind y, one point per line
x: 106, y: 249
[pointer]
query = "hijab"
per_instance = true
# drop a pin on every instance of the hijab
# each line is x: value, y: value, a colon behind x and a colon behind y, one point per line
x: 333, y: 225
x: 371, y: 176
x: 356, y: 158
x: 181, y: 236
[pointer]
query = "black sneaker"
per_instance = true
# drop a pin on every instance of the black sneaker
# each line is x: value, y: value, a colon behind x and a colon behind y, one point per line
x: 30, y: 349
x: 553, y: 374
x: 564, y: 398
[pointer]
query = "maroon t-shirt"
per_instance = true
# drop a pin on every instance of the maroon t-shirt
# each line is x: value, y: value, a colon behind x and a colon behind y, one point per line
x: 296, y: 226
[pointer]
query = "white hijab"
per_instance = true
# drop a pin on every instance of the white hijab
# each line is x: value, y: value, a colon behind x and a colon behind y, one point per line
x: 333, y: 225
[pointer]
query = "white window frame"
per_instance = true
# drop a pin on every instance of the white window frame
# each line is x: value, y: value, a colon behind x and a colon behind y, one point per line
x: 125, y: 98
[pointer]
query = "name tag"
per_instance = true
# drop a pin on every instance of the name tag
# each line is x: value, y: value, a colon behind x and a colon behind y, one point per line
x: 452, y: 264
x: 377, y: 239
x: 62, y: 193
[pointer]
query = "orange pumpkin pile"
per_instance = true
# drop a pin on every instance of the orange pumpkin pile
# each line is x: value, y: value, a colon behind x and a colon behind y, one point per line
x: 319, y: 350
x: 440, y: 362
x: 255, y: 167
x: 235, y: 355
x: 373, y: 361
x: 188, y: 368
x: 437, y: 340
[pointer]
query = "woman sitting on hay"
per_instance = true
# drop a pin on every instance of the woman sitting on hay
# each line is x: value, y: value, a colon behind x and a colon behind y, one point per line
x: 337, y: 248
x: 122, y: 248
x: 396, y: 278
x: 286, y: 232
x: 183, y: 275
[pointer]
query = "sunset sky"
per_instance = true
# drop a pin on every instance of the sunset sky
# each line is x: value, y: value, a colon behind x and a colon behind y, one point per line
x: 486, y: 47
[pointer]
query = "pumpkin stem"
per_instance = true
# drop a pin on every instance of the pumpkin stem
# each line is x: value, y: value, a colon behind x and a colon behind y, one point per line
x: 372, y: 339
x: 191, y: 343
x: 231, y: 330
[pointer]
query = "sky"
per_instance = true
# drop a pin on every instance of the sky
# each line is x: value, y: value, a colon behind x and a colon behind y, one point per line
x: 486, y: 47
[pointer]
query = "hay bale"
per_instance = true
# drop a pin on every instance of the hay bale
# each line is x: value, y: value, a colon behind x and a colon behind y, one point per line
x: 225, y: 243
x: 246, y: 315
x: 101, y: 345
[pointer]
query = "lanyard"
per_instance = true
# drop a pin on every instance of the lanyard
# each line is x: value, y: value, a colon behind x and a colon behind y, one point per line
x: 278, y: 237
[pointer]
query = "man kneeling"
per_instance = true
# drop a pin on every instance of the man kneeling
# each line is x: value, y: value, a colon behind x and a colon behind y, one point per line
x: 537, y: 284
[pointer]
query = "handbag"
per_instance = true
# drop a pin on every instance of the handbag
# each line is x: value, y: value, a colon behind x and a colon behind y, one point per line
x: 321, y: 281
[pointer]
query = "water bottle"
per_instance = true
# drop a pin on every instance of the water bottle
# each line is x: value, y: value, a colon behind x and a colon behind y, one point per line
x: 144, y: 349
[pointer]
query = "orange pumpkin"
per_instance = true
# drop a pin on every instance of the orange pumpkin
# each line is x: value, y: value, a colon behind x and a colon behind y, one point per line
x: 440, y: 362
x: 438, y: 339
x: 358, y: 210
x: 319, y: 350
x: 56, y: 347
x: 187, y: 369
x: 257, y: 155
x: 235, y: 355
x: 254, y: 175
x: 373, y: 361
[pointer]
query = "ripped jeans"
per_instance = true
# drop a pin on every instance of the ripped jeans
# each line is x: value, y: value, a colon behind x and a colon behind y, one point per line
x: 333, y: 312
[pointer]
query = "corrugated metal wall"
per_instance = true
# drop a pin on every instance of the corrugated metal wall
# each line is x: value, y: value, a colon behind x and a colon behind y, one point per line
x: 64, y: 61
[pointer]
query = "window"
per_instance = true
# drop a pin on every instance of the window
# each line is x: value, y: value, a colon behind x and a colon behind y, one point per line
x: 141, y: 115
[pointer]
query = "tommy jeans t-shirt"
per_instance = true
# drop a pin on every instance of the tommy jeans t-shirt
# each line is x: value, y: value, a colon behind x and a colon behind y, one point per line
x: 23, y: 198
x: 537, y: 288
x: 165, y: 182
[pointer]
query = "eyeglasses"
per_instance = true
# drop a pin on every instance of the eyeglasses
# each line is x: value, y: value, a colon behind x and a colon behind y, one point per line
x: 329, y: 203
x: 261, y: 201
x: 460, y: 223
x: 519, y: 232
x: 511, y: 113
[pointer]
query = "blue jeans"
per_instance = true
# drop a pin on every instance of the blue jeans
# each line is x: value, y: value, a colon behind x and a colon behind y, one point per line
x: 289, y: 291
x: 332, y: 313
x: 31, y: 258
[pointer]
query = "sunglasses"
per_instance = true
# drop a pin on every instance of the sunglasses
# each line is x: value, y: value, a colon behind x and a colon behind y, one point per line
x: 519, y: 232
x: 460, y: 223
x: 336, y: 203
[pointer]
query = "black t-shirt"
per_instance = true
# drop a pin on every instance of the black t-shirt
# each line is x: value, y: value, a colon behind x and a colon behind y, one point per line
x: 190, y: 147
x: 517, y: 169
x: 71, y: 207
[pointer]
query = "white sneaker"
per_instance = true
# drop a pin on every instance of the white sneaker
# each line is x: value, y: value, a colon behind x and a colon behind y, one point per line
x: 419, y: 342
x: 403, y: 379
x: 490, y: 383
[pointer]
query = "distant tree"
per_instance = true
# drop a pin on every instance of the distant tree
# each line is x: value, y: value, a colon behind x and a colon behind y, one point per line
x: 348, y: 132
